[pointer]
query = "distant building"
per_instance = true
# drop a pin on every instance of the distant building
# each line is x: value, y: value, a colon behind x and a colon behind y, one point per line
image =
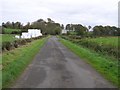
x: 30, y: 34
x: 17, y: 36
x: 64, y: 31
x: 91, y: 29
x: 34, y: 32
x: 25, y: 35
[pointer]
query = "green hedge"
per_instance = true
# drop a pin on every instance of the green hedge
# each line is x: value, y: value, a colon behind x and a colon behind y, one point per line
x: 8, y: 45
x: 104, y: 49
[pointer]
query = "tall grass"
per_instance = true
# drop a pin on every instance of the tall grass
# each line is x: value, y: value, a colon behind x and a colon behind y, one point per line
x: 15, y: 61
x: 106, y: 66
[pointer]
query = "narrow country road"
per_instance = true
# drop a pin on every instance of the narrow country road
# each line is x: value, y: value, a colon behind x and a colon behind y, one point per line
x: 57, y: 67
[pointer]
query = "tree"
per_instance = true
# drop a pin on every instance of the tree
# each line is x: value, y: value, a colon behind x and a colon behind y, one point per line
x: 57, y: 31
x: 50, y: 20
x: 89, y: 27
x: 79, y: 29
x: 27, y: 26
x: 13, y: 25
x: 96, y: 31
x: 62, y: 26
x: 8, y: 25
x: 68, y: 27
x: 49, y: 27
x: 4, y: 25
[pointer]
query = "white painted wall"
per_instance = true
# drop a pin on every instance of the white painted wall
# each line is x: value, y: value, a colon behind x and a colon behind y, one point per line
x: 64, y: 31
x: 17, y: 36
x: 25, y: 35
x: 31, y: 33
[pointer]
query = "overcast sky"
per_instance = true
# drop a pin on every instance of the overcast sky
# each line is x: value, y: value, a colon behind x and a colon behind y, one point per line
x: 86, y: 12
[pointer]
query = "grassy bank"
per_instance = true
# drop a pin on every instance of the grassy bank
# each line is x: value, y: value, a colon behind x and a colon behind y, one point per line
x: 106, y: 66
x: 15, y: 61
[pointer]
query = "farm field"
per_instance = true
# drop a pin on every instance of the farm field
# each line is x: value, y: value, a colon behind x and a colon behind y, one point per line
x: 7, y: 37
x: 111, y: 41
x: 9, y: 31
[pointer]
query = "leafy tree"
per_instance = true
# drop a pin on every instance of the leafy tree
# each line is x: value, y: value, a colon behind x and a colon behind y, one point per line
x: 105, y: 31
x: 62, y: 26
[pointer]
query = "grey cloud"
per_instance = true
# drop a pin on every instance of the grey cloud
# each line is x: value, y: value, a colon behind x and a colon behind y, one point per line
x: 92, y: 12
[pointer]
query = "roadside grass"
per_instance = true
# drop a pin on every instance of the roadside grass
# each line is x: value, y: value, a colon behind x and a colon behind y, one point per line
x: 15, y: 61
x: 105, y: 65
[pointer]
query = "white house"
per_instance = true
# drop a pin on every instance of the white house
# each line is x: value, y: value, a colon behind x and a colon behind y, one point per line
x: 34, y: 32
x: 25, y: 35
x: 17, y: 36
x: 64, y: 31
x: 31, y: 33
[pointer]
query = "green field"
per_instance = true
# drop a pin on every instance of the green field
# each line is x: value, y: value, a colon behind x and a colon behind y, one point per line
x: 9, y: 31
x: 15, y: 61
x: 110, y: 41
x: 108, y: 67
x: 7, y: 37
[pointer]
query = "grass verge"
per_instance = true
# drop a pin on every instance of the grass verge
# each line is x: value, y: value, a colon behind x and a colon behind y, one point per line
x: 15, y: 61
x: 106, y: 66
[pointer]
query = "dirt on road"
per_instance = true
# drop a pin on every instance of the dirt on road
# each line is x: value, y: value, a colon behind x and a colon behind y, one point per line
x: 57, y: 67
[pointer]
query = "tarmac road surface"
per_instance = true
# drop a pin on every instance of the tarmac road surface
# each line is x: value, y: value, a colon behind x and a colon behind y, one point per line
x: 57, y: 67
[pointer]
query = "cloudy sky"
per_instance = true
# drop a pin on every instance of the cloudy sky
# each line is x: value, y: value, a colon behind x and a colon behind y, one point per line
x: 86, y: 12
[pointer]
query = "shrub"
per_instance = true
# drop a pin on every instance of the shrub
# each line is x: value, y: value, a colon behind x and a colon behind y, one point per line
x: 3, y: 46
x: 7, y: 45
x: 23, y: 42
x: 28, y: 40
x: 16, y: 44
x: 15, y: 32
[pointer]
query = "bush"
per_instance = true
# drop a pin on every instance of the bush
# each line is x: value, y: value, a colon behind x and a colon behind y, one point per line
x: 15, y: 32
x: 28, y: 40
x: 7, y: 45
x: 23, y: 42
x: 3, y: 46
x: 100, y: 48
x: 16, y: 44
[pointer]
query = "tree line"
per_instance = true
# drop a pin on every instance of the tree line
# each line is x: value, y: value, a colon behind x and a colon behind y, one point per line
x: 106, y: 31
x: 47, y: 27
x: 96, y: 30
x: 53, y: 28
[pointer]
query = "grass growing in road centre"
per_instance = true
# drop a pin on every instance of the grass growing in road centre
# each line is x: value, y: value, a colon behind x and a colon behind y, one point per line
x: 15, y: 61
x: 106, y: 66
